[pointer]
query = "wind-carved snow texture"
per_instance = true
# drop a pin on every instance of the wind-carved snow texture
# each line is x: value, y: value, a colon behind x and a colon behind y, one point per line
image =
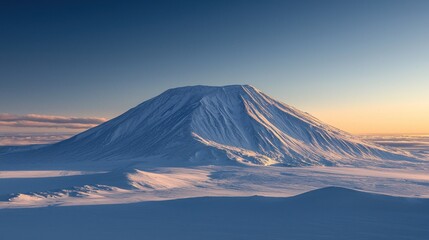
x: 202, y: 125
x: 140, y: 183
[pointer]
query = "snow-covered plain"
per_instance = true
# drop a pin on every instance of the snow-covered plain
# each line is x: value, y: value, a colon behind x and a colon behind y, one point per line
x: 415, y: 144
x: 208, y: 150
x: 140, y: 183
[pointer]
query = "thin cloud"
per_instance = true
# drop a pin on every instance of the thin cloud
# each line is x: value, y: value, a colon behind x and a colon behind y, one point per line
x: 48, y: 121
x: 15, y: 139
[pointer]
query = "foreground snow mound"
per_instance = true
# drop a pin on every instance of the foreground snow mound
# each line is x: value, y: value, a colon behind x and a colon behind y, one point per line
x: 329, y: 213
x: 217, y: 125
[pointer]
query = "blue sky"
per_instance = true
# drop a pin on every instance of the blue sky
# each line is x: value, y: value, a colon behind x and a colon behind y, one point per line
x: 359, y: 65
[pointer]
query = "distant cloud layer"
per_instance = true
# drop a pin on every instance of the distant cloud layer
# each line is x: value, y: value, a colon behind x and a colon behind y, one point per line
x: 48, y: 121
x: 13, y: 139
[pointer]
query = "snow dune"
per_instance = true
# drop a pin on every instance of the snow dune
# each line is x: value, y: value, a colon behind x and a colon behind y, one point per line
x: 329, y: 213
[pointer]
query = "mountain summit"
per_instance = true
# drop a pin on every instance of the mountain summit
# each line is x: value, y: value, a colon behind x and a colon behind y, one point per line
x: 218, y: 125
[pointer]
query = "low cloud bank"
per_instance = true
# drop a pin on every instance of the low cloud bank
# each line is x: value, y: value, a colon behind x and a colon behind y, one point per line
x: 13, y: 139
x: 48, y: 121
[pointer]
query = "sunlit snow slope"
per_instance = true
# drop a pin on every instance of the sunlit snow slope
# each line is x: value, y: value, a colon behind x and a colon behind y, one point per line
x: 217, y: 125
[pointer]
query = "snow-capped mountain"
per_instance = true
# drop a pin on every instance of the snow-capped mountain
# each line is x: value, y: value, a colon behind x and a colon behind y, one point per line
x: 217, y: 125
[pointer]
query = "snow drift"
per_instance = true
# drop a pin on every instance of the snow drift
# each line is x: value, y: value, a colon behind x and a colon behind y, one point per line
x: 329, y: 213
x: 215, y: 125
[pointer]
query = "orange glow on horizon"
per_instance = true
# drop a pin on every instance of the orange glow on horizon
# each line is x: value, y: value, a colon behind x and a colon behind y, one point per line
x: 393, y: 119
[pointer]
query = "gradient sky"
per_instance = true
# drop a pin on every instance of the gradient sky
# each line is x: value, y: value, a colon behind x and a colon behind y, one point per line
x: 362, y: 66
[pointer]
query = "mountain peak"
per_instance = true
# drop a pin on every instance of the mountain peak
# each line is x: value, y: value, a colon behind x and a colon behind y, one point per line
x: 204, y: 89
x: 207, y: 87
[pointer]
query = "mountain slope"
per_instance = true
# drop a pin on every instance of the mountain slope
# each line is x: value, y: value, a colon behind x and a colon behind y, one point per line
x: 217, y: 125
